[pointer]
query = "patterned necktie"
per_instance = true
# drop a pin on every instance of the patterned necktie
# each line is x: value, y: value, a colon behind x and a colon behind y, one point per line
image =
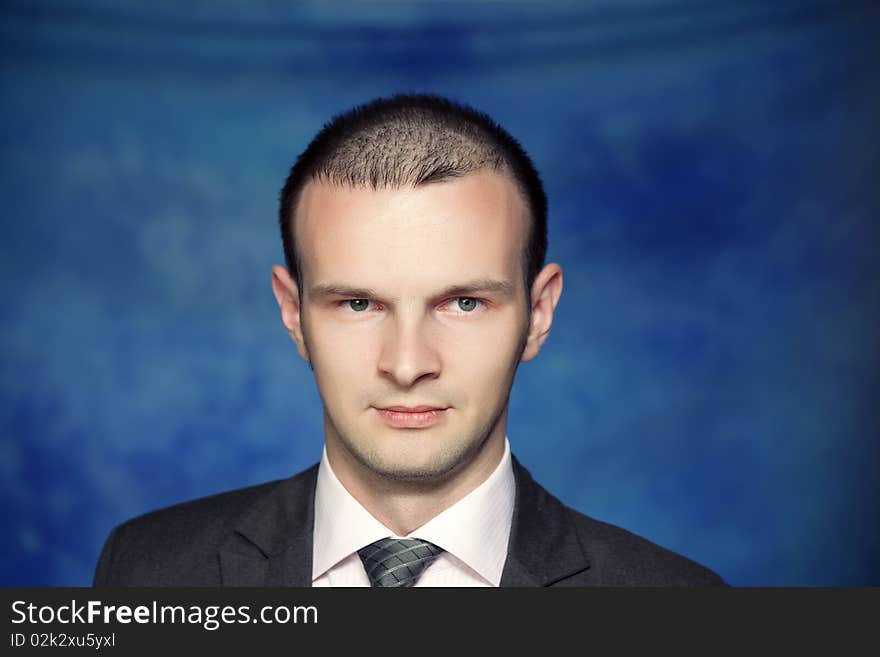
x: 397, y: 561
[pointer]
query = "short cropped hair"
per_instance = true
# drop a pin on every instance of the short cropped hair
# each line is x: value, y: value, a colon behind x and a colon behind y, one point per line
x: 409, y: 140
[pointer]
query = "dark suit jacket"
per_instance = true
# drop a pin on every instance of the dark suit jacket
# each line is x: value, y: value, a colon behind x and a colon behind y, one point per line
x: 262, y: 536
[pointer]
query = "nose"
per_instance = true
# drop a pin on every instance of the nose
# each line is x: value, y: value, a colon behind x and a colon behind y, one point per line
x: 409, y: 352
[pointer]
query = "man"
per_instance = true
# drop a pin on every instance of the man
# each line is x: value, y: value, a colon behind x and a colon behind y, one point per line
x: 414, y: 232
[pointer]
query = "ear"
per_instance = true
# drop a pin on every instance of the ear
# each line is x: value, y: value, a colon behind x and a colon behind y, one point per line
x: 287, y: 295
x: 546, y: 291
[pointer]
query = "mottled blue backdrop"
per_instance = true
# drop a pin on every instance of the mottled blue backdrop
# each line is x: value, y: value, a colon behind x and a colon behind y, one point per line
x: 710, y: 381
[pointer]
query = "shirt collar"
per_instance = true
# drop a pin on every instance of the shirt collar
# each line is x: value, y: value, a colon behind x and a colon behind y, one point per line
x: 476, y: 529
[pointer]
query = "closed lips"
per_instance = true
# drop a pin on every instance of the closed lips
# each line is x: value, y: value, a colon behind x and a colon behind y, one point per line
x: 412, y: 409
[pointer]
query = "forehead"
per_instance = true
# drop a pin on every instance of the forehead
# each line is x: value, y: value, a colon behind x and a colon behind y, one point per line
x: 412, y: 238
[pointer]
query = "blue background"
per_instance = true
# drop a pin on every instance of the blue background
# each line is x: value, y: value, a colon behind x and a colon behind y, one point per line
x: 710, y: 381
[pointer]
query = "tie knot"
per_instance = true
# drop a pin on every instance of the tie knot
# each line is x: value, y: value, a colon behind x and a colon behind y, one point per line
x: 397, y: 561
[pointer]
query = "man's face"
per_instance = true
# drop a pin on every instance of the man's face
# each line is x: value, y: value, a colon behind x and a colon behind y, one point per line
x: 413, y: 299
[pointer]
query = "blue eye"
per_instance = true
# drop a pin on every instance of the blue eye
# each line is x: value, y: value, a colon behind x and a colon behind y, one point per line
x: 358, y: 305
x: 467, y: 304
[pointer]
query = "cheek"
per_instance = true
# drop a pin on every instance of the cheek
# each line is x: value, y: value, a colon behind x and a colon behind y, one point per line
x: 486, y: 358
x: 340, y: 356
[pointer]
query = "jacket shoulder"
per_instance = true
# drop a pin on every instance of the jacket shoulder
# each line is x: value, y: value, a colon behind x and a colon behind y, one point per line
x: 621, y: 558
x: 176, y: 545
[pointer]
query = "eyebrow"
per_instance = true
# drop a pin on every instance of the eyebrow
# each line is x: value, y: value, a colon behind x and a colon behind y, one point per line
x: 479, y: 286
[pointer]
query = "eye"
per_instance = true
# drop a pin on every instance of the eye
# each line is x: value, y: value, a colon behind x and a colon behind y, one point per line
x: 358, y: 305
x: 467, y: 304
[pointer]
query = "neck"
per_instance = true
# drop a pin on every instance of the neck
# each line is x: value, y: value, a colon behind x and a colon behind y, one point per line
x: 403, y: 505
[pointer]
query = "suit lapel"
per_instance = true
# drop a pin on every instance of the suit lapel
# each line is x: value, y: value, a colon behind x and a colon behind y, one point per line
x: 544, y: 548
x: 271, y: 544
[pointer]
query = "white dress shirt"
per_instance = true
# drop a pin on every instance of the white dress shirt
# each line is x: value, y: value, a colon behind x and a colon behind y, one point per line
x: 473, y: 532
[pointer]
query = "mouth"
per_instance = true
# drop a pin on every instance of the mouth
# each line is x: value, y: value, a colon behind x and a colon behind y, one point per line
x: 412, y: 417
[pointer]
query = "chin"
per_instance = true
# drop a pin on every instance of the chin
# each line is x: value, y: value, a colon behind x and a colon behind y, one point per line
x: 416, y: 467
